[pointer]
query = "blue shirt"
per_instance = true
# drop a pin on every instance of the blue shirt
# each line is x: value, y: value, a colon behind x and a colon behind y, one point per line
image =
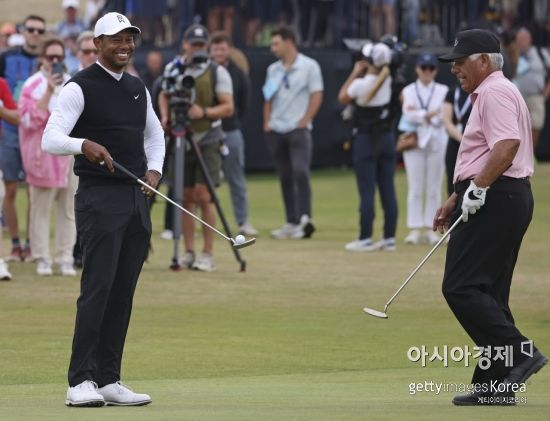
x: 16, y: 66
x: 289, y: 91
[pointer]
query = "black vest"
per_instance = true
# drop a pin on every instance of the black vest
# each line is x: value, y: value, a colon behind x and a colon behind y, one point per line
x: 114, y: 116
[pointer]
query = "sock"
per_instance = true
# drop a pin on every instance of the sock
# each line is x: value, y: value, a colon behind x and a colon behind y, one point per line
x: 15, y: 242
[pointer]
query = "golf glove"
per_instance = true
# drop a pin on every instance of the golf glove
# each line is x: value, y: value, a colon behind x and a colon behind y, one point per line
x: 474, y: 198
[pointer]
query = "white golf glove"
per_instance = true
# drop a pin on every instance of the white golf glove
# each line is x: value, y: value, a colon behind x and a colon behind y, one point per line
x: 473, y: 199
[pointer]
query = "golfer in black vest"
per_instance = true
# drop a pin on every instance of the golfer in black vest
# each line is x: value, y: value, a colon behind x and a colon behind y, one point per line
x: 104, y: 114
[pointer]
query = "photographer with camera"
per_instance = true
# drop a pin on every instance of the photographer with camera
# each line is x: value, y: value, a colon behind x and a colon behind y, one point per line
x: 368, y: 88
x: 196, y: 95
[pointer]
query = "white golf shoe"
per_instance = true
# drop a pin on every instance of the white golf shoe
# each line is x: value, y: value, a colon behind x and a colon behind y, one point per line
x: 247, y: 229
x: 187, y: 259
x: 359, y: 245
x: 67, y: 269
x: 413, y: 237
x: 288, y: 230
x: 367, y: 244
x: 5, y: 274
x: 43, y: 267
x: 118, y: 394
x: 167, y: 235
x: 84, y: 394
x: 204, y: 263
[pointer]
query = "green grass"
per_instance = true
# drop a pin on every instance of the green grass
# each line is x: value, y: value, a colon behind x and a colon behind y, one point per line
x: 285, y: 340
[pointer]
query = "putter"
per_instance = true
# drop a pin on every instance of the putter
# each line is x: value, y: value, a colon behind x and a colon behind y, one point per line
x: 232, y: 241
x: 384, y: 314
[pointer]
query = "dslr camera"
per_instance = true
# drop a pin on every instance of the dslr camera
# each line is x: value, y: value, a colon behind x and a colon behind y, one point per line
x: 179, y: 83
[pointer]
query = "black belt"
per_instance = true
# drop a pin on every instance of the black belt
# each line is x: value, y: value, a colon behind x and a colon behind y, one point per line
x: 461, y: 186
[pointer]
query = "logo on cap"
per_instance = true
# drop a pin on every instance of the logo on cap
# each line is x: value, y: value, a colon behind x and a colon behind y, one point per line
x: 199, y: 32
x: 121, y: 18
x: 456, y: 42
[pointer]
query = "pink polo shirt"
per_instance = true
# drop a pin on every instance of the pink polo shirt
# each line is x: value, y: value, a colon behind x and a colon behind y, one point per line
x: 498, y: 113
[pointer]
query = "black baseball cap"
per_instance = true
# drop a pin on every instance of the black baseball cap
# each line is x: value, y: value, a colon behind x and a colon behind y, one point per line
x: 196, y: 34
x: 472, y: 41
x: 426, y: 59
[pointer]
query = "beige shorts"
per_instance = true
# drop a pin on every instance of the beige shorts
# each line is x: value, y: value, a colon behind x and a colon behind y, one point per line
x: 537, y: 109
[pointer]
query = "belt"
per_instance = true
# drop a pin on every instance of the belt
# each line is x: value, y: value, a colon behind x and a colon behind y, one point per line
x: 461, y: 186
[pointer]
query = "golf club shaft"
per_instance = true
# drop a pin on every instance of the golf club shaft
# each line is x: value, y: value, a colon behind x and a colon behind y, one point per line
x: 422, y: 262
x: 143, y: 183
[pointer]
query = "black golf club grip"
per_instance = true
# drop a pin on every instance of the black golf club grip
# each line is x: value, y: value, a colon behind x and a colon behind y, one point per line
x: 124, y: 170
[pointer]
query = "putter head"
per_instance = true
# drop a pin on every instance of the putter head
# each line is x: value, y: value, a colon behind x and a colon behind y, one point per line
x: 247, y: 243
x: 375, y: 313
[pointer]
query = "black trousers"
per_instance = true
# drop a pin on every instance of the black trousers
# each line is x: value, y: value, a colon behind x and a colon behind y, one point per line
x: 291, y: 153
x: 481, y: 257
x: 114, y: 227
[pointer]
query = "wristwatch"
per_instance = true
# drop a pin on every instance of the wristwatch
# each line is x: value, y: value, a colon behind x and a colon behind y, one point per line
x: 1, y: 104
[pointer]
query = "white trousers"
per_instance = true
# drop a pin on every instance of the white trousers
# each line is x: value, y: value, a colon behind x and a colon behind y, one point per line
x: 41, y: 200
x: 425, y: 168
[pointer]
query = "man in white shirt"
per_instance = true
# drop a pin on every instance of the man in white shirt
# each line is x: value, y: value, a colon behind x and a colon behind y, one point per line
x: 104, y: 114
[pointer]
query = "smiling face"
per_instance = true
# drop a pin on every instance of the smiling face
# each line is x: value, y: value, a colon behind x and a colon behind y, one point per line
x: 220, y: 52
x: 115, y: 51
x: 470, y: 73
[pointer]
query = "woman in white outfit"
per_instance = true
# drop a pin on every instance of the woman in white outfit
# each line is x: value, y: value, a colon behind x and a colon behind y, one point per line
x: 425, y: 164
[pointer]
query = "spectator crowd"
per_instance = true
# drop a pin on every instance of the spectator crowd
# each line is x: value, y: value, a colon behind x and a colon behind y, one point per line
x: 38, y: 59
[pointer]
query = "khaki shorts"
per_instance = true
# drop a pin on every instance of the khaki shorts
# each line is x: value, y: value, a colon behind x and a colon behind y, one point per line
x: 537, y: 109
x: 213, y: 161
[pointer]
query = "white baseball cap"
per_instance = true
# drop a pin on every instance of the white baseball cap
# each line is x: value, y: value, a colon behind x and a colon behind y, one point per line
x: 379, y: 53
x: 112, y: 23
x: 71, y: 3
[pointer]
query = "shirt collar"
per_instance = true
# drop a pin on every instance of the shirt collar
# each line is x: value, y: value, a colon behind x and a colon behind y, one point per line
x: 296, y: 64
x: 117, y: 76
x: 425, y: 87
x: 494, y: 75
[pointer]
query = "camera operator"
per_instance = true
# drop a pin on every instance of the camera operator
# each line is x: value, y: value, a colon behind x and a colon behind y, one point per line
x: 200, y: 109
x: 368, y: 87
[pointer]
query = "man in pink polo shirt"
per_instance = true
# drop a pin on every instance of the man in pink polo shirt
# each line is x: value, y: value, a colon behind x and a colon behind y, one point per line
x: 493, y: 197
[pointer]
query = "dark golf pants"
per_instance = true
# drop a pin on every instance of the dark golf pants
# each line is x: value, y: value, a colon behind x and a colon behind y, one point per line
x: 374, y: 164
x: 481, y: 257
x: 291, y: 154
x: 114, y: 228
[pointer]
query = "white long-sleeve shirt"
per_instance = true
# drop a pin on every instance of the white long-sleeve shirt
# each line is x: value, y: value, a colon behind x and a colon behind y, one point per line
x: 70, y: 105
x: 418, y: 100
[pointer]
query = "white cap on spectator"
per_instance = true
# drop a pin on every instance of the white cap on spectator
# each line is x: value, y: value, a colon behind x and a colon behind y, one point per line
x: 15, y: 40
x: 112, y: 23
x: 71, y: 3
x: 380, y: 54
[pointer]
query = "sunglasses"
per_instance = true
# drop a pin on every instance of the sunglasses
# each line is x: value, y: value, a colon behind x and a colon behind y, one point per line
x: 87, y: 52
x: 427, y: 68
x: 32, y: 30
x: 286, y: 83
x: 53, y: 57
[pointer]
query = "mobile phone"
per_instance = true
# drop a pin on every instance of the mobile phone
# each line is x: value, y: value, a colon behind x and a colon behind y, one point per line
x: 57, y: 68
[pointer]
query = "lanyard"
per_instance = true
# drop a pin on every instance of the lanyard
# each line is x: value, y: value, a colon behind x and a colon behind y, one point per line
x: 459, y: 112
x: 424, y: 107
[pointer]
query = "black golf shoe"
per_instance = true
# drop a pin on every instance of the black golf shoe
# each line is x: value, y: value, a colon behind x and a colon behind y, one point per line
x: 526, y: 369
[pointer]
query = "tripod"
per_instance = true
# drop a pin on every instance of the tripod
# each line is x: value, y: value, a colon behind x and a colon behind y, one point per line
x: 182, y: 134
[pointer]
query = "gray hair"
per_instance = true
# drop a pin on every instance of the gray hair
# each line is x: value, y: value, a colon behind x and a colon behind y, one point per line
x: 496, y: 59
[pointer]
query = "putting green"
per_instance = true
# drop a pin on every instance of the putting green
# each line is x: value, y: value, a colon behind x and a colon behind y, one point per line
x: 287, y: 339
